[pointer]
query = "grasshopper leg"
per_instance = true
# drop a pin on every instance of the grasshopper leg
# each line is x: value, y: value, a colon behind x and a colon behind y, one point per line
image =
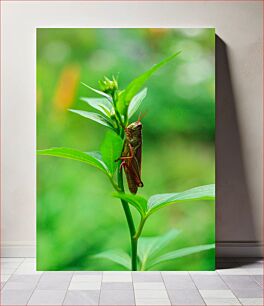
x: 127, y: 157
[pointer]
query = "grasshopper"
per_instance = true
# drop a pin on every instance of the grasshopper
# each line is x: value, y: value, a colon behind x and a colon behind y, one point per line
x: 132, y: 154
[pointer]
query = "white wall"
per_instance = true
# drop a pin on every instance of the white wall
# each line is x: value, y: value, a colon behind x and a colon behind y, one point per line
x: 239, y: 142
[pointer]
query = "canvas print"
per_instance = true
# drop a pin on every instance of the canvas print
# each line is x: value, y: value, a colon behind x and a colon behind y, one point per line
x: 125, y: 149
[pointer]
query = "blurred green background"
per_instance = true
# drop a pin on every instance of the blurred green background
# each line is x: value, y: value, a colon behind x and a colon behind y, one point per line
x: 76, y: 215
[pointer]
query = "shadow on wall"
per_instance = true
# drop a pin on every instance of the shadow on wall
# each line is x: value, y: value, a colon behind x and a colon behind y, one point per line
x: 234, y: 216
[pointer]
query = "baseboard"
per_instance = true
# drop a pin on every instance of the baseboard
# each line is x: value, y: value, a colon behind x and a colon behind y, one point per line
x: 223, y: 249
x: 239, y: 249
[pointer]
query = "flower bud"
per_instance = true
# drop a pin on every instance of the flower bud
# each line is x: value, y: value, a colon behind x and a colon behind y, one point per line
x: 109, y: 86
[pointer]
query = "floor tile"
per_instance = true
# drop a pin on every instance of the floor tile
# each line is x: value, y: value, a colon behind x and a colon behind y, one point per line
x: 85, y: 286
x: 208, y: 282
x: 221, y: 301
x: 211, y: 273
x: 15, y: 297
x: 254, y: 271
x: 149, y: 286
x: 24, y: 278
x: 27, y: 268
x: 87, y: 273
x: 174, y: 273
x: 87, y: 278
x: 153, y: 294
x: 178, y: 281
x: 12, y: 259
x: 8, y: 270
x: 234, y: 271
x: 117, y: 277
x: 240, y: 282
x: 258, y: 279
x: 146, y: 277
x: 117, y: 286
x: 252, y: 301
x: 217, y: 294
x: 30, y: 260
x: 151, y: 302
x: 20, y: 285
x: 185, y: 297
x: 87, y: 297
x: 117, y: 297
x: 248, y: 293
x: 11, y: 265
x: 47, y: 297
x: 54, y: 281
x: 5, y: 277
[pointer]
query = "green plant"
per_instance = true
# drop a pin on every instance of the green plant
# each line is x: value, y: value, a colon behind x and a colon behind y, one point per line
x: 115, y: 108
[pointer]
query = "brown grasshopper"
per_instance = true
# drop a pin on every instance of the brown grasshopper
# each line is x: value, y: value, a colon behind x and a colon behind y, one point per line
x: 132, y: 154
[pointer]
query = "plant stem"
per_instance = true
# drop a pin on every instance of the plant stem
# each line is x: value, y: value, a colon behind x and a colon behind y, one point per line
x: 140, y: 228
x: 130, y: 223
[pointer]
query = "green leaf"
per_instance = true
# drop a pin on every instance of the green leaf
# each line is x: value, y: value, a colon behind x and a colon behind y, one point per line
x: 116, y: 256
x: 148, y: 247
x: 101, y: 104
x: 181, y: 253
x: 137, y: 201
x: 137, y: 83
x: 158, y: 201
x: 91, y: 158
x: 109, y: 98
x: 136, y: 101
x: 111, y: 150
x: 93, y: 116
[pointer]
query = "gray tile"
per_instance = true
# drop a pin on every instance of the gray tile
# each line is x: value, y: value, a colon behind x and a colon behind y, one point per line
x: 185, y: 297
x: 2, y: 284
x: 254, y: 271
x: 15, y: 297
x: 221, y: 301
x: 208, y: 282
x: 22, y: 282
x: 152, y: 302
x: 24, y: 278
x: 111, y: 277
x: 252, y: 301
x: 248, y: 293
x: 146, y: 277
x: 151, y: 293
x: 240, y: 282
x: 233, y: 271
x: 117, y: 286
x: 47, y: 297
x: 149, y: 286
x: 20, y: 285
x: 12, y: 259
x: 178, y: 281
x: 54, y: 281
x: 81, y: 297
x: 5, y: 277
x: 88, y: 273
x: 258, y: 279
x: 218, y: 294
x: 117, y: 297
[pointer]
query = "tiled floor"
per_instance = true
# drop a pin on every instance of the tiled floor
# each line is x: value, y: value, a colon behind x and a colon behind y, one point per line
x: 238, y: 283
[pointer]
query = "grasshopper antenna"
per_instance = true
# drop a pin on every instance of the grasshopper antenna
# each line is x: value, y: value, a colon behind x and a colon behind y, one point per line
x: 141, y: 116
